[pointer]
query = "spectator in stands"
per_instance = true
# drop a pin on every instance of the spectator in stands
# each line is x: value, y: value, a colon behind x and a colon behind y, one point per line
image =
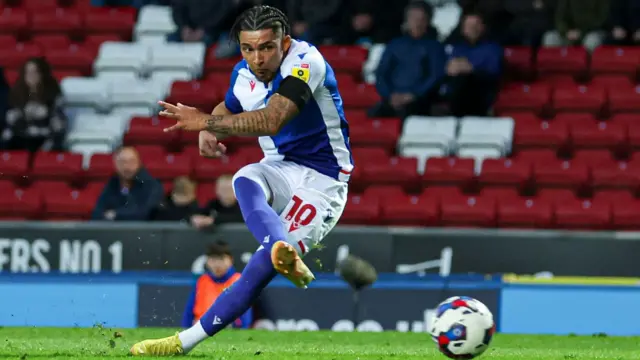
x: 474, y: 68
x: 625, y: 23
x: 319, y: 22
x: 496, y: 17
x: 224, y: 209
x: 579, y: 22
x: 382, y: 21
x: 219, y: 275
x: 181, y: 204
x: 35, y: 119
x: 206, y: 21
x: 530, y: 19
x: 131, y: 194
x: 411, y: 69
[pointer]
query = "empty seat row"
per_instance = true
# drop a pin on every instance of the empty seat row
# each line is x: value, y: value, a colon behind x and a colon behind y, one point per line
x: 447, y: 207
x: 574, y: 59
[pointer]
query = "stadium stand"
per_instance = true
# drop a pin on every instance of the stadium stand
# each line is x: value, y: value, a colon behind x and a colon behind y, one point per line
x: 561, y: 151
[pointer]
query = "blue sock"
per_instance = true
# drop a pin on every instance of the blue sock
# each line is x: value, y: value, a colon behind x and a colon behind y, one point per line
x: 260, y: 218
x: 237, y: 299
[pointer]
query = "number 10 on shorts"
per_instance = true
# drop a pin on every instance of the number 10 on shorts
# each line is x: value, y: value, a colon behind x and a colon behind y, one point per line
x: 301, y: 214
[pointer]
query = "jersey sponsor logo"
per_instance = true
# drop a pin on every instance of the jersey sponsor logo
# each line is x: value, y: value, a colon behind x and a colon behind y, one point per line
x: 301, y: 72
x: 252, y: 84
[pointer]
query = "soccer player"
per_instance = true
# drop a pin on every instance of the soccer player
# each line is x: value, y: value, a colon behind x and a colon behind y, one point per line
x: 284, y: 93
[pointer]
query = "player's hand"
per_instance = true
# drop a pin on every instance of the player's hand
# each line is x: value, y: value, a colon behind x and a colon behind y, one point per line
x: 188, y: 118
x: 209, y: 145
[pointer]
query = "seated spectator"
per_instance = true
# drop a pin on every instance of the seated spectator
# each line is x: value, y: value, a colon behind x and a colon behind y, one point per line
x: 131, y: 194
x: 224, y: 209
x: 625, y: 23
x: 206, y: 21
x: 219, y: 275
x: 319, y: 22
x: 181, y: 204
x: 579, y: 22
x: 35, y: 119
x: 411, y: 69
x: 474, y: 69
x: 530, y: 20
x: 496, y: 17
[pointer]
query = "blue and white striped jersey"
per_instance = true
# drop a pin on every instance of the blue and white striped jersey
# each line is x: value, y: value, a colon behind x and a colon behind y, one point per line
x: 319, y: 136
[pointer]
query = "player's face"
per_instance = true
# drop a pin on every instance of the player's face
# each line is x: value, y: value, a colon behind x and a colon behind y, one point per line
x: 264, y: 50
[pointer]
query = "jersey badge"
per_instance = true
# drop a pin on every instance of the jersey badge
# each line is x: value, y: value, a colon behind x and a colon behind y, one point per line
x: 301, y: 72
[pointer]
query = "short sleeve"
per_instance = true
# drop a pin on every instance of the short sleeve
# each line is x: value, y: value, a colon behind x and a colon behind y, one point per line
x: 231, y: 102
x: 310, y: 68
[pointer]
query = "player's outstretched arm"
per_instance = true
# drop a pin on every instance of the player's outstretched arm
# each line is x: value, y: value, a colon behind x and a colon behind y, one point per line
x: 221, y: 110
x: 284, y: 105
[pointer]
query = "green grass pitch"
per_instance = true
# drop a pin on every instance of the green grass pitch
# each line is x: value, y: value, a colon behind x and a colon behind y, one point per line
x: 103, y: 343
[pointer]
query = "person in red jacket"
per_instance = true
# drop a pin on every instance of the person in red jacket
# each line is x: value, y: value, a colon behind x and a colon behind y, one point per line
x: 219, y: 275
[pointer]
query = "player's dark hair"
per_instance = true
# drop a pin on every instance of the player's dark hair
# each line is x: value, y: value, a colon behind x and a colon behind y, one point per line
x: 260, y: 17
x: 219, y: 248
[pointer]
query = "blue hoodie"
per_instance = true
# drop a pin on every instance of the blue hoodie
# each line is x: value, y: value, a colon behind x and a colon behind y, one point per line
x: 410, y: 65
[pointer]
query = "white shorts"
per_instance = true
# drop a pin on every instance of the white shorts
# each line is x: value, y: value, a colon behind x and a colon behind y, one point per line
x: 309, y: 203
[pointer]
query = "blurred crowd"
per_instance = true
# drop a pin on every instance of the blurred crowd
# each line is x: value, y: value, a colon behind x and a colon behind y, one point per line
x: 419, y: 70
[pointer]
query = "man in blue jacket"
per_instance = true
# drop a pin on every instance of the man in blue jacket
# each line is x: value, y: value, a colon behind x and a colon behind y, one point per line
x: 131, y: 194
x: 474, y: 68
x: 412, y: 67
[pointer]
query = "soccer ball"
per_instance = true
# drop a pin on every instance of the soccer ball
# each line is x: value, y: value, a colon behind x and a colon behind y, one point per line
x: 462, y: 327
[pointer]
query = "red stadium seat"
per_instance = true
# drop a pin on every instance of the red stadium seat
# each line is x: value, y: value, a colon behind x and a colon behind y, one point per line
x: 438, y: 193
x: 362, y: 96
x: 17, y: 203
x: 375, y: 132
x: 560, y: 173
x: 95, y: 40
x: 626, y: 215
x: 593, y: 157
x: 210, y: 169
x: 449, y: 171
x: 545, y: 134
x: 533, y: 156
x: 57, y: 20
x: 601, y: 134
x: 554, y: 196
x: 195, y: 93
x: 615, y: 59
x: 57, y: 166
x: 169, y: 166
x: 521, y: 212
x: 110, y: 20
x: 150, y: 152
x: 519, y: 60
x: 14, y: 165
x: 68, y: 205
x: 555, y: 80
x: 476, y: 211
x: 100, y: 167
x: 361, y: 210
x: 570, y: 60
x: 611, y: 81
x: 356, y: 117
x: 36, y: 6
x: 505, y: 171
x: 410, y: 211
x: 579, y: 98
x: 51, y: 186
x: 13, y: 20
x: 61, y: 74
x: 14, y: 58
x: 384, y: 191
x: 51, y: 41
x: 634, y: 134
x: 345, y: 58
x: 519, y: 97
x: 583, y: 214
x: 150, y: 131
x: 8, y: 41
x: 73, y: 57
x: 206, y: 192
x: 499, y: 193
x: 613, y: 197
x: 616, y: 174
x: 398, y: 171
x: 624, y: 99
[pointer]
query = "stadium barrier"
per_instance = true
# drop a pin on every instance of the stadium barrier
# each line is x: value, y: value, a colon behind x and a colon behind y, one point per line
x: 115, y: 247
x: 396, y: 302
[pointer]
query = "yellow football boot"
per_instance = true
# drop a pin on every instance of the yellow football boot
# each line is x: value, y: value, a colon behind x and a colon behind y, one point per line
x: 168, y: 346
x: 287, y: 262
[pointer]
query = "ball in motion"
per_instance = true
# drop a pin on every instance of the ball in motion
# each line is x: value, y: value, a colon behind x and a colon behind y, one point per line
x: 462, y: 328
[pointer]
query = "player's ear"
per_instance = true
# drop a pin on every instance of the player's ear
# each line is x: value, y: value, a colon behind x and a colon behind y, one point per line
x: 286, y: 43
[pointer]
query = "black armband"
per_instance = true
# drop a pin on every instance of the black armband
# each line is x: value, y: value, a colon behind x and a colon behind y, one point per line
x: 295, y: 90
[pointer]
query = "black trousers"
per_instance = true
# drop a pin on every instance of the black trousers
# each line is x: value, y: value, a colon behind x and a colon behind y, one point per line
x: 470, y: 95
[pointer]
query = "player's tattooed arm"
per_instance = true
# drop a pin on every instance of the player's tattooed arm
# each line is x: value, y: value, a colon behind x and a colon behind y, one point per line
x: 263, y: 122
x: 220, y: 110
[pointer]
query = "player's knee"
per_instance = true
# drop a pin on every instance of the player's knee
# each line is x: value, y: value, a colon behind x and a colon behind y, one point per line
x: 249, y: 173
